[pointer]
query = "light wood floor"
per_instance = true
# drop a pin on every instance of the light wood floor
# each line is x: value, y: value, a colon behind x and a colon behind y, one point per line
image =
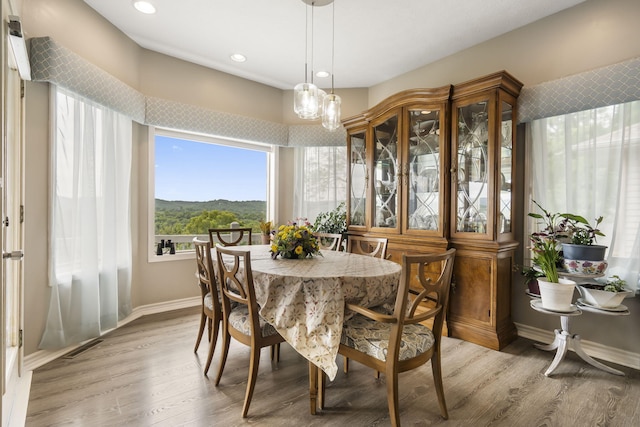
x: 147, y: 374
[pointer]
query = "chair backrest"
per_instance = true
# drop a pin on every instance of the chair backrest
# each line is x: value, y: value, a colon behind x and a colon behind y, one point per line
x: 229, y: 236
x: 425, y: 281
x: 236, y: 281
x: 329, y: 241
x: 371, y: 246
x: 205, y: 272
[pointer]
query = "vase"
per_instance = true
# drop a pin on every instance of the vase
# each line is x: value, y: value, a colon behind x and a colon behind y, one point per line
x: 583, y: 252
x: 556, y: 296
x: 266, y: 239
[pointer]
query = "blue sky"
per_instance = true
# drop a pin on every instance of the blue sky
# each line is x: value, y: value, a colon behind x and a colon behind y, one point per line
x: 196, y: 171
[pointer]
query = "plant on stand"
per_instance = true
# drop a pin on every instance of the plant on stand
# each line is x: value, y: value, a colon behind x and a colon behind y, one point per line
x: 583, y: 235
x: 556, y: 293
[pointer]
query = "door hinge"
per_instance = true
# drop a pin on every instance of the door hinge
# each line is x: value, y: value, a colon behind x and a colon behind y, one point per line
x: 21, y: 88
x: 6, y: 221
x: 20, y: 338
x: 21, y: 214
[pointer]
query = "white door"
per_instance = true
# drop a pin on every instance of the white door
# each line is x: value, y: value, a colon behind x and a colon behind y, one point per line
x: 11, y: 209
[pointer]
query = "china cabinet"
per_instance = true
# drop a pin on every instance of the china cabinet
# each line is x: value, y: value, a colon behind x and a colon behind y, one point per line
x: 432, y: 169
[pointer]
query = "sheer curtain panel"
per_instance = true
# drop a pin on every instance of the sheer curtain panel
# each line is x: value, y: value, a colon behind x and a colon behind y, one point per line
x: 320, y: 180
x: 90, y: 232
x: 588, y: 163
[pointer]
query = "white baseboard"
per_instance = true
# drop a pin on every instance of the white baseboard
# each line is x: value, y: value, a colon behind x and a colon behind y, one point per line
x: 593, y: 349
x: 42, y: 357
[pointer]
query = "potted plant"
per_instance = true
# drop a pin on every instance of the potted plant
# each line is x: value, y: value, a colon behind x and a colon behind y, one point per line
x: 531, y: 279
x: 556, y: 293
x: 608, y: 295
x: 583, y: 239
x: 334, y: 222
x: 265, y: 231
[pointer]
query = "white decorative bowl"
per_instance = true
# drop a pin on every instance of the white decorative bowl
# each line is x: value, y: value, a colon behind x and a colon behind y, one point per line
x: 584, y: 267
x: 600, y: 298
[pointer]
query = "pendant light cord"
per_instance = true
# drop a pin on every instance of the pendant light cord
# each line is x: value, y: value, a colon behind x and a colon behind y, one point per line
x: 333, y: 39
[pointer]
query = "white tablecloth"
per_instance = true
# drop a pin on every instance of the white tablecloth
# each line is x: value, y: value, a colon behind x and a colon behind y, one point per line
x: 304, y: 299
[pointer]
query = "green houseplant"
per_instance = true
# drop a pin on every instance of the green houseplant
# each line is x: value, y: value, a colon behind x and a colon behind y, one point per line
x: 583, y: 237
x: 334, y: 221
x: 556, y: 293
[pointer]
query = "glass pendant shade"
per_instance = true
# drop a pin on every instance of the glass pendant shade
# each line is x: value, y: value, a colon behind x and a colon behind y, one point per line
x: 305, y: 100
x: 331, y: 110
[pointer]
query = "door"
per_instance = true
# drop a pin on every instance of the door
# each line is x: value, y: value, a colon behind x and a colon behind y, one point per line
x: 11, y: 197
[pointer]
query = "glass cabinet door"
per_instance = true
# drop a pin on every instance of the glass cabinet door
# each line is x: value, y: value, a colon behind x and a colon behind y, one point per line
x: 471, y: 177
x: 506, y: 168
x: 422, y: 171
x: 358, y: 179
x: 385, y: 173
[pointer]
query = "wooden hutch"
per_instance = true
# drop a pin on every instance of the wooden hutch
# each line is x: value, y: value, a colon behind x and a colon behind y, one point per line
x: 432, y: 169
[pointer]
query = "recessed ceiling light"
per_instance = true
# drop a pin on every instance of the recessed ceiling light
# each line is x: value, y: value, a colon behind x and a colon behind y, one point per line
x: 322, y: 74
x: 144, y: 7
x: 238, y: 57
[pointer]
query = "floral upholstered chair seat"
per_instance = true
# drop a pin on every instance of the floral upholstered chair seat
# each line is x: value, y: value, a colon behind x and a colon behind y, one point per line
x: 240, y: 320
x: 372, y: 338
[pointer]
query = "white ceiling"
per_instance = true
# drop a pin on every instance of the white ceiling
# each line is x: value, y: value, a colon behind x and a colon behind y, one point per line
x: 375, y: 40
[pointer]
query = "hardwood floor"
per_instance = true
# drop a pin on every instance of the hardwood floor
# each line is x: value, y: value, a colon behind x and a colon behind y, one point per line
x: 146, y: 373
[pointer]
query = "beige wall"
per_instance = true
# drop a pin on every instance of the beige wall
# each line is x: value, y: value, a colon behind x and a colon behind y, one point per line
x: 596, y: 33
x: 588, y: 36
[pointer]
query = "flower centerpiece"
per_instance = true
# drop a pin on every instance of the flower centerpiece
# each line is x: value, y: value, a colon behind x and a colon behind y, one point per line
x: 295, y: 242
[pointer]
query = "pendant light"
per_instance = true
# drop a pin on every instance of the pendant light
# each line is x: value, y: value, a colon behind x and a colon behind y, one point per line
x: 331, y: 102
x: 305, y: 95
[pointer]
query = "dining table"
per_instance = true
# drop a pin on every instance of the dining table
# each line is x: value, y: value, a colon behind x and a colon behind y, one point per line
x: 304, y: 299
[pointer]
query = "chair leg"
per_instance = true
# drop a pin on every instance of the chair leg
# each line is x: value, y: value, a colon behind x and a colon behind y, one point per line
x: 392, y: 397
x: 345, y: 364
x: 203, y: 319
x: 212, y: 345
x: 436, y: 368
x: 275, y: 353
x: 225, y: 351
x: 251, y: 382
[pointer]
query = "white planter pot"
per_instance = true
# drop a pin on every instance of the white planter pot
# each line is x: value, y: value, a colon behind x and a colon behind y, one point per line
x: 556, y: 296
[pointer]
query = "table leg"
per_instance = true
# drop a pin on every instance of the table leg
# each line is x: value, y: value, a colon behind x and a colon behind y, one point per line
x: 322, y: 381
x: 555, y: 344
x: 577, y: 346
x: 313, y: 388
x: 562, y: 338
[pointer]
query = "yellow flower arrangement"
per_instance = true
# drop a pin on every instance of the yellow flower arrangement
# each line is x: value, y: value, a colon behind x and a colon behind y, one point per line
x: 294, y: 241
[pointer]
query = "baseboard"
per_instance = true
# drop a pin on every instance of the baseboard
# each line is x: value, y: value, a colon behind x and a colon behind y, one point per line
x: 42, y: 357
x: 593, y: 349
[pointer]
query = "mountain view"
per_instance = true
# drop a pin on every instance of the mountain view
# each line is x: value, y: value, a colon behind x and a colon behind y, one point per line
x: 176, y: 217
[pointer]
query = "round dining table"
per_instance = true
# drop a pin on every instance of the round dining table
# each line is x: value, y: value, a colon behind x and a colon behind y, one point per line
x: 304, y: 299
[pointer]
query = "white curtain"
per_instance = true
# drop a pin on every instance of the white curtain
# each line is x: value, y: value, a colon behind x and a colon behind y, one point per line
x: 320, y: 180
x: 588, y: 163
x: 90, y: 232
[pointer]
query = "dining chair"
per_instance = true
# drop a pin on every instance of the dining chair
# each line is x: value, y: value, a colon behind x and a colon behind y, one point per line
x: 229, y: 236
x: 329, y: 241
x: 243, y: 323
x: 365, y: 245
x: 399, y: 342
x: 371, y: 246
x: 211, y: 314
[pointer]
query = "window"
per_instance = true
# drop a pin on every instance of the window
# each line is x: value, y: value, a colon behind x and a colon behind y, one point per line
x: 320, y: 180
x: 202, y: 182
x: 588, y: 163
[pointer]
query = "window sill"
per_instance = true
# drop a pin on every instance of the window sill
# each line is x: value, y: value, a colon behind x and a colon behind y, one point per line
x: 180, y: 256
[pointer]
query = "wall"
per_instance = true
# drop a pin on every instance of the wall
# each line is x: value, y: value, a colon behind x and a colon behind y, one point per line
x: 587, y: 36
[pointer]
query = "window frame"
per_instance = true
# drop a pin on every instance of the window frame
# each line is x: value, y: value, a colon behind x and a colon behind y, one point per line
x: 272, y: 163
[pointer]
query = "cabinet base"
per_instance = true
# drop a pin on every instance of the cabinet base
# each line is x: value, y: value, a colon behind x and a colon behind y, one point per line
x: 490, y: 338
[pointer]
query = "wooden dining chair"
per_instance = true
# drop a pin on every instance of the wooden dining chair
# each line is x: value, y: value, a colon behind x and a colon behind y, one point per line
x: 329, y: 241
x: 243, y: 323
x: 370, y: 246
x: 399, y: 342
x: 230, y: 236
x: 365, y: 245
x: 211, y: 314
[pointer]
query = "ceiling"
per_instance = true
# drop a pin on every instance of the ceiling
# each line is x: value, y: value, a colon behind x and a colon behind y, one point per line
x: 375, y: 40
